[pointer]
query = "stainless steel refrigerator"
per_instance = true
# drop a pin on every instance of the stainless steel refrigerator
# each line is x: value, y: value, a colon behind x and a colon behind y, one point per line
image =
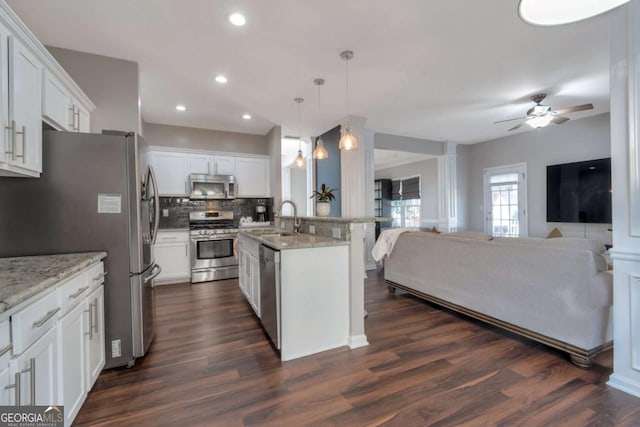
x: 96, y: 193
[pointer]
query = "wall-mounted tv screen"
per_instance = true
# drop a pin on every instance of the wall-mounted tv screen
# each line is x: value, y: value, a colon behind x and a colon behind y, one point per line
x: 579, y: 192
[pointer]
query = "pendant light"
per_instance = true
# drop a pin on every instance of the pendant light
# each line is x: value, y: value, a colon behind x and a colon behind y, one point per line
x: 300, y: 161
x: 347, y: 141
x: 320, y: 153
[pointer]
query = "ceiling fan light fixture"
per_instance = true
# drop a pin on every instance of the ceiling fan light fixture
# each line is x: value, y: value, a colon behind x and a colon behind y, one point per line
x: 539, y: 121
x: 320, y: 153
x: 559, y: 12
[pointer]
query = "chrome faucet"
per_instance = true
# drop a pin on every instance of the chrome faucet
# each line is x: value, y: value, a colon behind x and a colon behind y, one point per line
x: 296, y: 221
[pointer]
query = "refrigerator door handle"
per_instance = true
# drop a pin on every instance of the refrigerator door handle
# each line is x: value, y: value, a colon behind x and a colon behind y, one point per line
x: 156, y: 197
x: 157, y: 269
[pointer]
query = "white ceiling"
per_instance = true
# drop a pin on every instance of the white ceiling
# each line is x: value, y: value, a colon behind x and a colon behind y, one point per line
x: 437, y: 69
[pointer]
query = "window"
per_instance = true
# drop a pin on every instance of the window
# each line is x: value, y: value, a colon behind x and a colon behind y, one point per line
x: 405, y: 202
x: 505, y: 201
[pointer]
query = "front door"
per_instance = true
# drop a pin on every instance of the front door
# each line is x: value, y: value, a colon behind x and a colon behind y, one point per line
x: 505, y: 206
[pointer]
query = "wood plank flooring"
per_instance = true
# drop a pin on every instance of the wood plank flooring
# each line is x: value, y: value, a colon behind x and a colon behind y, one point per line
x: 211, y: 364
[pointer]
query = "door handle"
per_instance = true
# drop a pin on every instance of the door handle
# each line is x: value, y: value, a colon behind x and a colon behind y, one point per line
x: 46, y: 317
x: 90, y: 312
x: 12, y: 138
x: 95, y: 315
x: 154, y: 275
x: 77, y: 294
x: 16, y: 388
x: 6, y: 350
x: 24, y: 144
x: 99, y: 276
x: 32, y: 371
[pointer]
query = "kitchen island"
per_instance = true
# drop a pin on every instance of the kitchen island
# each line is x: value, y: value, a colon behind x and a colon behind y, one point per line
x: 304, y: 304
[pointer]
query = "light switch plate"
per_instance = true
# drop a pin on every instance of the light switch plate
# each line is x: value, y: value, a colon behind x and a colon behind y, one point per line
x: 336, y: 232
x: 312, y: 229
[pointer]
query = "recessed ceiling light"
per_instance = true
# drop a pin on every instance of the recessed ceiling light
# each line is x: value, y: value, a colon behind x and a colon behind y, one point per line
x: 246, y: 116
x: 221, y: 79
x: 181, y: 108
x: 558, y: 12
x: 237, y: 19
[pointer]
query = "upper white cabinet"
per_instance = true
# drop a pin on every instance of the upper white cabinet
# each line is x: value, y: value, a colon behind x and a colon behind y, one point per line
x: 55, y: 102
x: 213, y: 165
x: 172, y: 171
x: 252, y: 177
x: 33, y: 88
x: 224, y: 165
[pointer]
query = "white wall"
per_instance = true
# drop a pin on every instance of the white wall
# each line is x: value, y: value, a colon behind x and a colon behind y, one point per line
x: 574, y: 141
x: 428, y: 171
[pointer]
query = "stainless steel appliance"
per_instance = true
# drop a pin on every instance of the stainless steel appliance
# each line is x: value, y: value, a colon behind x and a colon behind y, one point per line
x: 261, y: 212
x: 213, y: 239
x: 212, y: 187
x: 96, y: 193
x: 270, y: 293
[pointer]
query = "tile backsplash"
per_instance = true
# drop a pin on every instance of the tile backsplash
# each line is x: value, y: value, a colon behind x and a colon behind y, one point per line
x: 178, y: 209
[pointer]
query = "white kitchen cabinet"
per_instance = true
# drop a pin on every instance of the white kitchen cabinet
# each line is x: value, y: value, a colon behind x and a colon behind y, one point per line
x: 7, y: 387
x: 171, y: 253
x: 172, y: 171
x: 224, y: 165
x: 254, y: 264
x: 38, y: 370
x: 73, y: 358
x: 79, y: 118
x: 55, y: 102
x: 252, y: 177
x: 200, y: 163
x: 94, y: 336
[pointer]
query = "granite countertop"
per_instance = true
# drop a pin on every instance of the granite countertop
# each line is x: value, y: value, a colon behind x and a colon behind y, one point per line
x: 174, y: 229
x: 300, y: 241
x: 24, y: 277
x: 333, y: 219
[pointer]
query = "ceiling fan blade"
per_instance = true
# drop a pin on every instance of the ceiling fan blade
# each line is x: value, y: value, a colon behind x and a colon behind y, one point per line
x: 558, y: 120
x: 575, y: 108
x: 509, y: 120
x: 515, y: 127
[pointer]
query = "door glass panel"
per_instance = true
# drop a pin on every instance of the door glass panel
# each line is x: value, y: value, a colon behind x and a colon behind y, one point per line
x: 504, y: 205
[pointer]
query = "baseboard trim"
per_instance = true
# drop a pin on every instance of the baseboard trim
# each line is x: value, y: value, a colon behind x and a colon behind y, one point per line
x: 624, y: 384
x: 356, y: 341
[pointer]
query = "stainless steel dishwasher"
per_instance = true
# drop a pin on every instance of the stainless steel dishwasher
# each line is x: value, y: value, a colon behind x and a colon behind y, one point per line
x: 270, y: 292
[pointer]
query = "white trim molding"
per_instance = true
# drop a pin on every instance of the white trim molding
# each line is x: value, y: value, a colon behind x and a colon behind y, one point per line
x: 356, y: 341
x: 624, y: 255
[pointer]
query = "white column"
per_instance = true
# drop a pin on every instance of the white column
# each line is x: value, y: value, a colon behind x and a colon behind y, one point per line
x: 357, y: 337
x: 370, y: 231
x: 353, y: 173
x: 447, y: 189
x: 625, y: 175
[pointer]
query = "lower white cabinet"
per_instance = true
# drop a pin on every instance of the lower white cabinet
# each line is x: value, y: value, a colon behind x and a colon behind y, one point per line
x: 171, y: 252
x: 38, y: 372
x: 56, y: 351
x: 72, y: 361
x: 249, y: 277
x: 94, y: 337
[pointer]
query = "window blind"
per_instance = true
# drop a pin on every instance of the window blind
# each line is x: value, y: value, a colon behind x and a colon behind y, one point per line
x: 411, y: 188
x: 395, y: 190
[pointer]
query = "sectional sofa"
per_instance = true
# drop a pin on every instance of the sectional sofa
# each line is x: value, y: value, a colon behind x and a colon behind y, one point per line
x: 555, y: 291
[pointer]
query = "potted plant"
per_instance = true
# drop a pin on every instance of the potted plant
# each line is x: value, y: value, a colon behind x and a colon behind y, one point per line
x: 323, y: 197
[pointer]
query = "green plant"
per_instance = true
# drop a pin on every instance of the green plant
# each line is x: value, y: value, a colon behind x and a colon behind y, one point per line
x: 325, y: 194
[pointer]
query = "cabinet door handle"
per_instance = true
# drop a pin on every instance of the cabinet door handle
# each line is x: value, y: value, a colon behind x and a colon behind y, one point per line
x: 6, y: 350
x: 73, y: 117
x: 95, y: 315
x: 78, y: 114
x: 90, y: 311
x: 31, y: 370
x: 99, y: 276
x: 24, y: 144
x: 77, y: 294
x: 46, y: 317
x: 16, y: 388
x: 12, y: 139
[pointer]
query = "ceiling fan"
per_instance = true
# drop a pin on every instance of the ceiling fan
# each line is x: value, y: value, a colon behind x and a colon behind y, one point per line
x: 541, y: 115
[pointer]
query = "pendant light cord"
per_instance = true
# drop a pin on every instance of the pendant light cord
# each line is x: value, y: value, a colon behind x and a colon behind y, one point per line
x: 299, y: 131
x: 347, y: 84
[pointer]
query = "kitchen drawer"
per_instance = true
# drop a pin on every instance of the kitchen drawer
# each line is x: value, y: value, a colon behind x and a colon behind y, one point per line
x: 172, y: 236
x: 34, y: 321
x: 5, y: 343
x: 96, y: 275
x: 72, y: 292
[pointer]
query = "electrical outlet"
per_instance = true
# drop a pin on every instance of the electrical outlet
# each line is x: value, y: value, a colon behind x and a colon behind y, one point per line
x: 312, y: 229
x: 115, y: 348
x: 336, y: 232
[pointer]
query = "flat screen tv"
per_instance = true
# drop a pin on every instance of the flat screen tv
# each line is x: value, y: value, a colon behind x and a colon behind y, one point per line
x: 579, y: 192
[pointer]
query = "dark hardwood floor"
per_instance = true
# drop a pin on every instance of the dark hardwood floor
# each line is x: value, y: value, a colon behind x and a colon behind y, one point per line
x: 211, y: 364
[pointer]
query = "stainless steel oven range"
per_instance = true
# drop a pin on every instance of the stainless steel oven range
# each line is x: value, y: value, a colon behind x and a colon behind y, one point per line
x: 213, y: 237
